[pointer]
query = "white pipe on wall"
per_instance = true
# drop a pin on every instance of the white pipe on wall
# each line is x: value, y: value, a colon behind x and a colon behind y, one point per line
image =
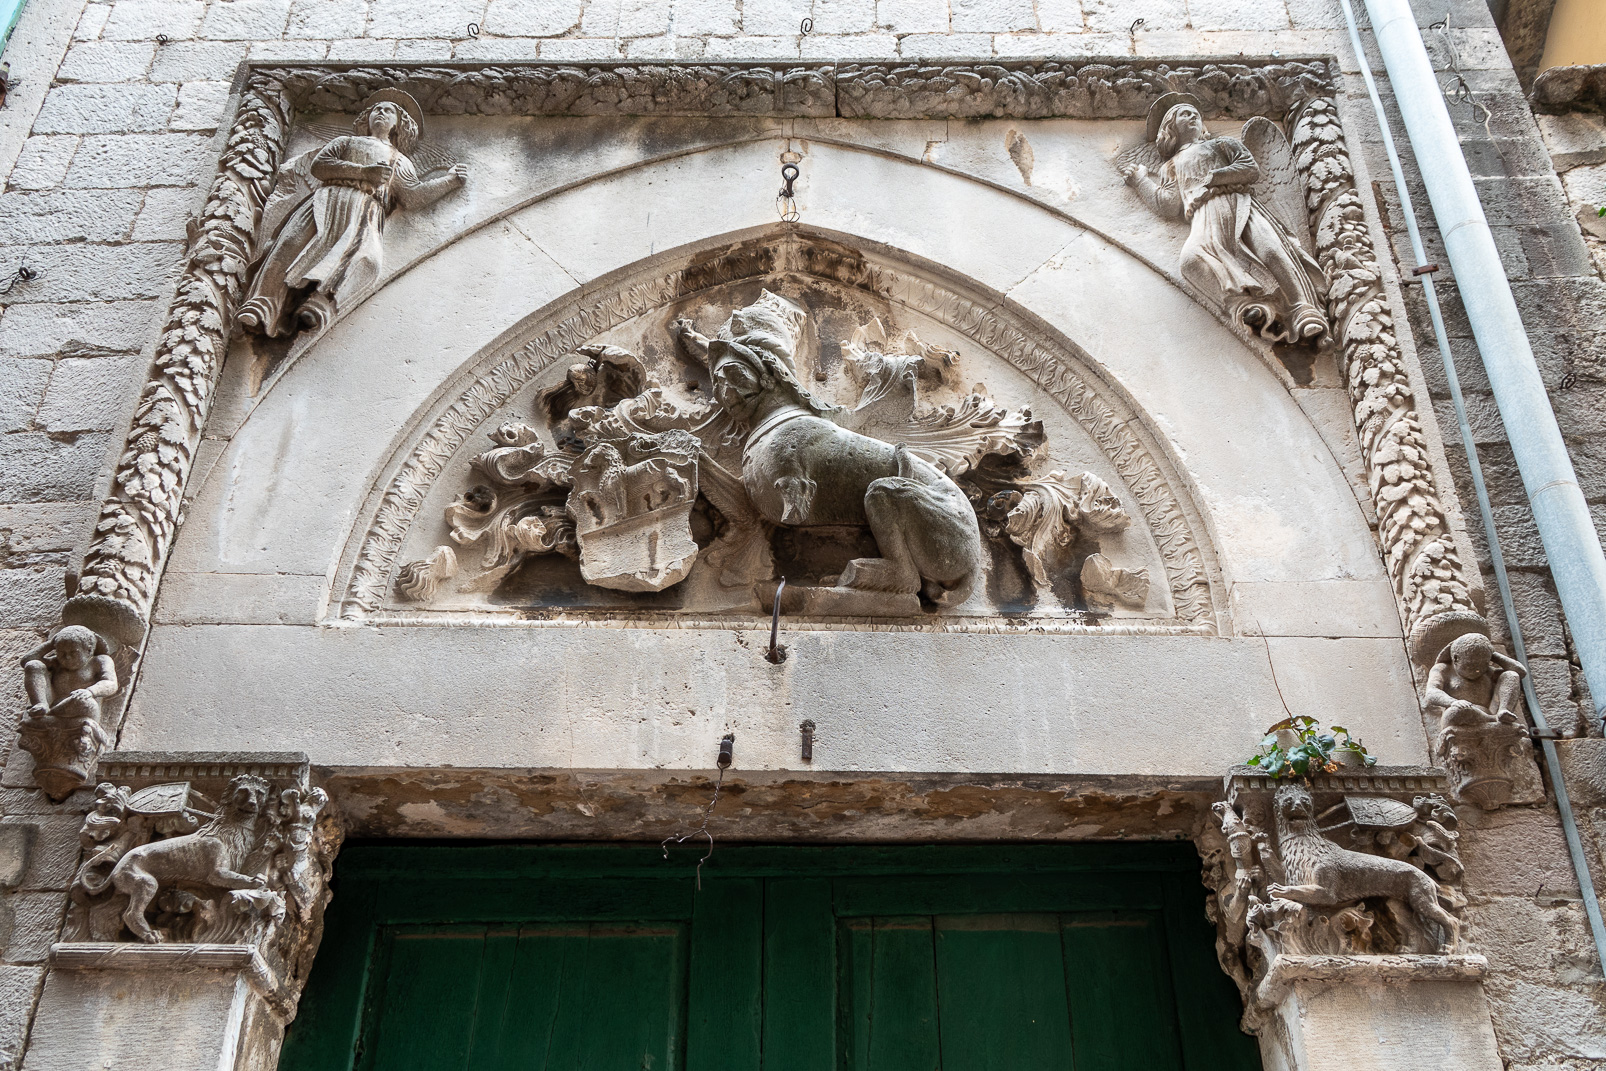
x: 1571, y: 544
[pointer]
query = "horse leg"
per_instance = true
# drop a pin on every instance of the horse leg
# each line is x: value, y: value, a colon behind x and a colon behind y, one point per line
x: 140, y: 888
x: 886, y: 504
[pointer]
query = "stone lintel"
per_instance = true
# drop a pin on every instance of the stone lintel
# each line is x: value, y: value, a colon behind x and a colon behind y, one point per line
x: 246, y: 960
x: 139, y: 768
x: 1286, y: 970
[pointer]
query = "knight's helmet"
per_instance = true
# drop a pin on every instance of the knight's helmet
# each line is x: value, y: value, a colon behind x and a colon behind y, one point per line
x: 771, y: 324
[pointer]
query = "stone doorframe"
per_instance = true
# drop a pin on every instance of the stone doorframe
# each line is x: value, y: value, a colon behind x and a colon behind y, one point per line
x: 237, y: 997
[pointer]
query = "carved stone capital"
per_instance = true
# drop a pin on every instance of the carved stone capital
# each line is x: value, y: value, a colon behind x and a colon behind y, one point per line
x: 1346, y: 873
x: 204, y: 860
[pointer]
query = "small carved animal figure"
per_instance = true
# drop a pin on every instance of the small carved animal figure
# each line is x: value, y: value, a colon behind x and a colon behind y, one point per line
x: 209, y: 857
x: 1321, y: 874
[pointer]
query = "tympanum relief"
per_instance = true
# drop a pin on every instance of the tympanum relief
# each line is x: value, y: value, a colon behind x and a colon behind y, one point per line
x: 1240, y: 196
x: 762, y: 439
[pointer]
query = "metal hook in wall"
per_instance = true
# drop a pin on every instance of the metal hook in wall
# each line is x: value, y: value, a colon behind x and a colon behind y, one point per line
x: 727, y: 748
x: 23, y: 274
x: 777, y: 653
x: 786, y: 200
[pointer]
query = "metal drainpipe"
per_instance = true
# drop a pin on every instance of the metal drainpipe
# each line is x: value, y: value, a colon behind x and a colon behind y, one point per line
x: 1571, y: 544
x: 1569, y: 823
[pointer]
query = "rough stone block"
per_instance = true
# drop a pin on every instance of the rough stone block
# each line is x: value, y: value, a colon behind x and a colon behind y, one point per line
x: 29, y: 923
x: 497, y: 49
x: 107, y: 61
x: 197, y: 61
x: 423, y: 18
x: 868, y: 45
x: 582, y: 48
x: 991, y: 16
x: 143, y: 20
x: 90, y: 393
x: 1574, y: 138
x: 773, y: 18
x: 946, y: 45
x: 1539, y: 614
x: 54, y: 858
x: 42, y: 528
x: 245, y: 20
x: 32, y: 596
x: 1553, y: 684
x: 41, y: 469
x: 746, y: 47
x: 105, y: 109
x: 419, y: 49
x: 361, y: 50
x: 201, y: 106
x: 1060, y: 16
x: 1238, y: 15
x: 1117, y: 16
x: 1539, y: 1020
x: 1512, y: 201
x: 695, y: 17
x: 98, y: 272
x: 291, y: 51
x: 844, y: 16
x: 16, y: 844
x: 91, y: 22
x: 42, y: 162
x: 670, y: 46
x: 114, y: 161
x: 1437, y: 1025
x: 1316, y: 15
x: 1050, y: 44
x: 906, y: 16
x: 79, y: 329
x: 61, y: 216
x: 513, y: 18
x: 327, y: 19
x: 19, y: 990
x: 1518, y: 851
x: 22, y: 386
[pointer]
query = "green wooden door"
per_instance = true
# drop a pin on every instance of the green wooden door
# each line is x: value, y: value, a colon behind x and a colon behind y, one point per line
x: 1058, y: 958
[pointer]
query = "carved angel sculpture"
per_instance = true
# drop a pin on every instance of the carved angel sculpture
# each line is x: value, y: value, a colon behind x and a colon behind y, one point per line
x: 1241, y: 248
x: 329, y: 250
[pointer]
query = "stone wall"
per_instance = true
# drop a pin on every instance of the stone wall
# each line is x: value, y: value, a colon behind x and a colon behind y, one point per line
x: 109, y: 141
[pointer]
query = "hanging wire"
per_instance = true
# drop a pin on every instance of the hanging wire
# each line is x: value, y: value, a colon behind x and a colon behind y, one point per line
x: 725, y: 747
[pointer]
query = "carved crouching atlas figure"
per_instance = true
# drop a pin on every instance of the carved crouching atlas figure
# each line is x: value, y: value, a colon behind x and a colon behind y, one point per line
x: 1322, y: 874
x: 801, y: 468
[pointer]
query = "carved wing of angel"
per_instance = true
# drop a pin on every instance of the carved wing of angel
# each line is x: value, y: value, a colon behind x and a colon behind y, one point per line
x: 1278, y: 186
x: 1145, y: 155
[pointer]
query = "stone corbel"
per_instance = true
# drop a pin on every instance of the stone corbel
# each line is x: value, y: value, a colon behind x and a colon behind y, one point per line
x: 207, y: 861
x: 1335, y: 900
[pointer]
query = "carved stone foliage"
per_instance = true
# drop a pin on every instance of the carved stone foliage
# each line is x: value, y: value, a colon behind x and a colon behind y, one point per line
x: 1239, y: 195
x: 236, y: 852
x: 1429, y: 578
x: 710, y: 471
x: 1343, y: 866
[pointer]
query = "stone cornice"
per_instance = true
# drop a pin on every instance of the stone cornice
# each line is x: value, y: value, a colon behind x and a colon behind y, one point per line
x: 1080, y: 88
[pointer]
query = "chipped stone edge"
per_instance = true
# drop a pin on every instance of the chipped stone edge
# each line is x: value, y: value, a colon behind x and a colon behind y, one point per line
x: 1288, y: 970
x: 109, y: 956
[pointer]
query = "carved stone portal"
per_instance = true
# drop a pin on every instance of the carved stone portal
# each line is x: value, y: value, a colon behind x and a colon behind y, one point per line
x: 238, y: 852
x: 700, y: 471
x: 1363, y: 865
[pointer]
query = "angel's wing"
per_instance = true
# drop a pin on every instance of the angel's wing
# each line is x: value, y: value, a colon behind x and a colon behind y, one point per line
x: 1145, y: 154
x: 1278, y: 186
x: 430, y: 156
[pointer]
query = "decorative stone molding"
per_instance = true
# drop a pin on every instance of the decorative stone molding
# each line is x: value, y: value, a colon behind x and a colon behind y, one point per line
x: 1347, y: 872
x: 139, y: 518
x: 206, y: 860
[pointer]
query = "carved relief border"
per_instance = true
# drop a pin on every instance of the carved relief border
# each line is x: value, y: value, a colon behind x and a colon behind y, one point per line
x: 1060, y: 372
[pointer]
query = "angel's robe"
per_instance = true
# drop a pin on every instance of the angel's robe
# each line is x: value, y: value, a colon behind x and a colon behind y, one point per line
x: 331, y: 244
x: 1232, y: 234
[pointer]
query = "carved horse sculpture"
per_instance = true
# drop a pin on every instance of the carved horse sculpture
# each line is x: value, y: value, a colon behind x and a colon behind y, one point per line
x: 801, y: 468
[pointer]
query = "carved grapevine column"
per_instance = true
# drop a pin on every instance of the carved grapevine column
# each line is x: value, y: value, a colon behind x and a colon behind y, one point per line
x: 1418, y: 549
x: 141, y: 514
